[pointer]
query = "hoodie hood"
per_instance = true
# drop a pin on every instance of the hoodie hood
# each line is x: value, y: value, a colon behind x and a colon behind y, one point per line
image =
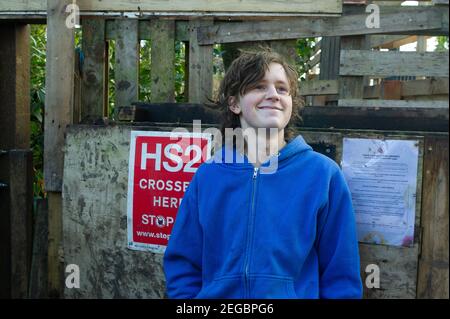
x: 231, y: 157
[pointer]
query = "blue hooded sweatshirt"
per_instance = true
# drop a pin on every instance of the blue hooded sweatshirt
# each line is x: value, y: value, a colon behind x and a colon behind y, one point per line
x: 243, y: 233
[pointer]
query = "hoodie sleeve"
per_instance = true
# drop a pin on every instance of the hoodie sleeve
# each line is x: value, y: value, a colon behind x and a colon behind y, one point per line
x: 337, y: 244
x: 183, y: 256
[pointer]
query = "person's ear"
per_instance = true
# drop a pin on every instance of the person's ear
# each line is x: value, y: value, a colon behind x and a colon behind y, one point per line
x: 233, y: 105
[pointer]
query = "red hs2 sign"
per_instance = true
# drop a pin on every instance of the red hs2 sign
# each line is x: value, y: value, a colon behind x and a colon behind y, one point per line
x: 161, y: 166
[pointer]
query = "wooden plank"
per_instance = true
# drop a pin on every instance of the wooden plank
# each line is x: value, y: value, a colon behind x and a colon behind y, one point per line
x: 440, y: 2
x: 55, y: 270
x: 58, y: 114
x: 127, y: 63
x: 433, y: 276
x: 16, y: 196
x: 319, y: 87
x: 425, y: 87
x: 59, y: 92
x: 163, y: 61
x: 39, y: 262
x: 404, y: 20
x: 314, y: 61
x: 5, y: 227
x: 200, y: 65
x: 351, y: 87
x: 387, y: 41
x: 93, y: 71
x: 94, y: 230
x: 21, y: 192
x: 393, y: 103
x: 181, y: 30
x: 291, y: 6
x: 379, y: 64
x: 429, y: 89
x: 329, y: 69
x: 386, y: 118
x: 15, y: 86
x: 398, y: 270
x: 23, y: 5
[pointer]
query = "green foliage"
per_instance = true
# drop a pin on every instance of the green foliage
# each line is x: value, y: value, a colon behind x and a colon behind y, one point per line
x: 37, y: 92
x: 180, y: 60
x: 145, y: 70
x: 111, y: 78
x: 442, y: 43
x: 305, y: 48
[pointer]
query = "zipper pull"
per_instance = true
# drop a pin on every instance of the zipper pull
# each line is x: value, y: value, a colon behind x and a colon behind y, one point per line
x: 255, y: 172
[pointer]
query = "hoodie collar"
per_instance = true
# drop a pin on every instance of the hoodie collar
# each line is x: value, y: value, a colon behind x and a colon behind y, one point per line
x: 231, y: 157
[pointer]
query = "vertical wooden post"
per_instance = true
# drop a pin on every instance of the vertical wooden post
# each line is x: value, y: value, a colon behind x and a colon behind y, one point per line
x: 163, y: 58
x: 59, y: 91
x: 39, y: 262
x: 127, y: 62
x: 422, y: 40
x: 352, y: 87
x: 15, y: 161
x: 329, y: 57
x: 200, y: 65
x: 433, y: 273
x: 93, y: 75
x: 21, y: 192
x: 58, y: 114
x: 329, y: 66
x: 14, y: 86
x: 5, y: 229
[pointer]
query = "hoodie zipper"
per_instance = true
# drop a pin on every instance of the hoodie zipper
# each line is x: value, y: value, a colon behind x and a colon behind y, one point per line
x: 250, y: 233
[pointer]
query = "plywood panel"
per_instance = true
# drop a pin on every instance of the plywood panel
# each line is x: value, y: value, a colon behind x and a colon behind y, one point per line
x: 95, y: 219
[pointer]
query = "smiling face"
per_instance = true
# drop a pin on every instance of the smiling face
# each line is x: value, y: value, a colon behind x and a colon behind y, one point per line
x: 267, y: 103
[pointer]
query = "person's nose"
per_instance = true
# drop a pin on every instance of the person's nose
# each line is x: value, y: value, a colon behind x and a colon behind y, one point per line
x: 272, y: 93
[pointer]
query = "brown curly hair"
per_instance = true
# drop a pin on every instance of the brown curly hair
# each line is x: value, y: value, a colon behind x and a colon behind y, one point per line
x: 244, y: 74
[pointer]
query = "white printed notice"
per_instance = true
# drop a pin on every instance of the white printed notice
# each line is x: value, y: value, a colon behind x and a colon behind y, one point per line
x: 382, y: 177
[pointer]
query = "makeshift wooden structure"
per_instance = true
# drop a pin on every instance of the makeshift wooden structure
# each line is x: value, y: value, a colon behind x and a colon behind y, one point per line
x: 86, y: 212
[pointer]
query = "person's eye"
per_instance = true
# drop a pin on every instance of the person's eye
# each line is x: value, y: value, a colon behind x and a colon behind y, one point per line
x: 260, y: 87
x: 283, y: 90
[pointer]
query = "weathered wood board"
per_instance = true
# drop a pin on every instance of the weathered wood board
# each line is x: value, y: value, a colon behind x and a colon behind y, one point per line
x: 95, y: 218
x: 292, y: 6
x: 433, y: 277
x: 127, y: 63
x: 93, y: 97
x: 379, y: 64
x: 402, y: 20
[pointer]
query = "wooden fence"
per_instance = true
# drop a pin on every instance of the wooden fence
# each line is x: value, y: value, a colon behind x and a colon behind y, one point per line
x: 347, y: 61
